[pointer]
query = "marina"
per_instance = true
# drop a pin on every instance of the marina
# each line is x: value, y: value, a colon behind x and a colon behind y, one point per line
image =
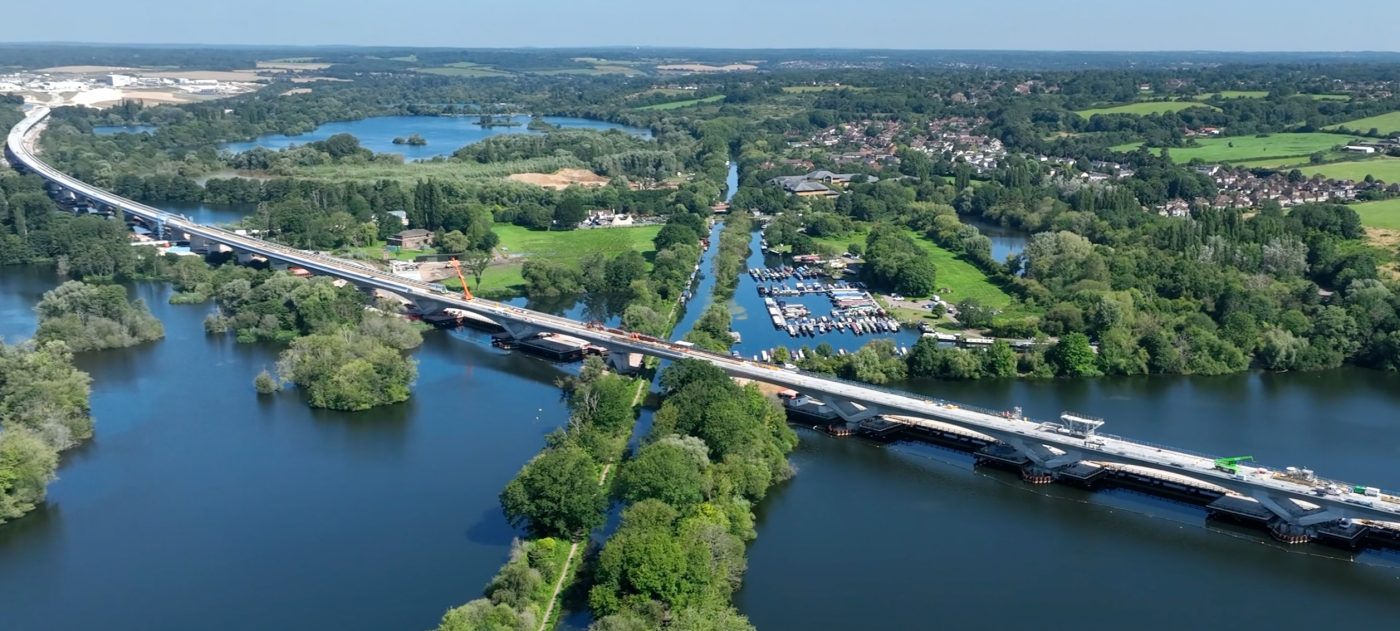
x: 852, y: 308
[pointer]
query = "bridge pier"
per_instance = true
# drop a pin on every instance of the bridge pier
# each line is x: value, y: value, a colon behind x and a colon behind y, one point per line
x: 849, y: 411
x: 624, y: 362
x: 519, y: 330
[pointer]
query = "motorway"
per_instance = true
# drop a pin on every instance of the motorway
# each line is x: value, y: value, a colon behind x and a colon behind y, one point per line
x: 1064, y: 444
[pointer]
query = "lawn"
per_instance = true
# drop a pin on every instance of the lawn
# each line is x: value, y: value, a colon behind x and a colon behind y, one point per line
x: 379, y: 252
x: 1383, y: 169
x: 962, y: 279
x: 568, y: 246
x: 679, y: 104
x: 573, y: 245
x: 1383, y: 214
x: 1252, y: 148
x: 1143, y: 108
x: 1388, y: 123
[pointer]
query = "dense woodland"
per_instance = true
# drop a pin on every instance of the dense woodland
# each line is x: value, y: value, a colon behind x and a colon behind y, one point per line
x: 43, y: 411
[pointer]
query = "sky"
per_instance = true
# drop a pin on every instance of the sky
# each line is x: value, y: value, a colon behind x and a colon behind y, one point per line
x: 1223, y: 25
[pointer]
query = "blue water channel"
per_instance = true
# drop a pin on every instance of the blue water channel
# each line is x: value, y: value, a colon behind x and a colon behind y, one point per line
x: 445, y: 134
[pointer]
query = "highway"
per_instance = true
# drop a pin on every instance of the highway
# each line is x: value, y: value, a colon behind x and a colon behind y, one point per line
x: 1064, y: 445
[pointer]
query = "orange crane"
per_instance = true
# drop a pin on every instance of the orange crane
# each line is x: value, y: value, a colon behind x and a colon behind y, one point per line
x: 466, y: 293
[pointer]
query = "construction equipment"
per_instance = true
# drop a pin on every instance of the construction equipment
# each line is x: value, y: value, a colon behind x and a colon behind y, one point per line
x: 1231, y: 464
x: 466, y: 293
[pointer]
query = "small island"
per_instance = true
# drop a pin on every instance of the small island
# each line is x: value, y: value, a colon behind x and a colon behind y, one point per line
x: 497, y: 120
x: 538, y: 123
x: 95, y: 317
x: 413, y: 140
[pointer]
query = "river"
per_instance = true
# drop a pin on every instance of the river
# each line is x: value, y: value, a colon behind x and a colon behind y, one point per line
x: 199, y: 505
x: 912, y: 536
x: 445, y: 134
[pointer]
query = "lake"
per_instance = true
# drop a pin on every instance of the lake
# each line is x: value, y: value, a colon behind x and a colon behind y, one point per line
x: 200, y: 505
x: 445, y: 134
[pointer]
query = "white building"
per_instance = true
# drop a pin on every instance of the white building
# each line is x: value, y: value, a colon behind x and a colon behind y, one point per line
x: 120, y: 80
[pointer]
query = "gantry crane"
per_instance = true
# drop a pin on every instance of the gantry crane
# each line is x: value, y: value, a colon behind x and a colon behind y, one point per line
x: 466, y: 293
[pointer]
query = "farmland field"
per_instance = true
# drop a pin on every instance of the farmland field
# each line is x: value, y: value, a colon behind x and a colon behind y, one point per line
x: 1388, y: 123
x: 1259, y: 94
x: 679, y: 104
x: 1383, y: 214
x: 1252, y: 148
x: 1384, y: 169
x: 1142, y: 109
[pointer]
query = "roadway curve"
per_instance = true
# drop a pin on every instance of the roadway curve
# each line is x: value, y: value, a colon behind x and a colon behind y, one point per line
x: 1250, y: 481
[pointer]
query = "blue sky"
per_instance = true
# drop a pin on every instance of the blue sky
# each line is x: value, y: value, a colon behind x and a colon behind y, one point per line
x: 921, y: 24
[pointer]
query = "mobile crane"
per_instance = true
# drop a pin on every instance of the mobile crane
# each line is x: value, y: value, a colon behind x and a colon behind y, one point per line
x: 466, y: 293
x: 1231, y: 464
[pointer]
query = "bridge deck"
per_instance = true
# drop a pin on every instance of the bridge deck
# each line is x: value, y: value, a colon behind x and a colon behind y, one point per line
x: 1248, y: 480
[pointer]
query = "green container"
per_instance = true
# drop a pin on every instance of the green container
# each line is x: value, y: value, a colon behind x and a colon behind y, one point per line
x: 1358, y: 489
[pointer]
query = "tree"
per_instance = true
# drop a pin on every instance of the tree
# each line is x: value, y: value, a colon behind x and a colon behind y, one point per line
x: 27, y: 466
x: 1072, y: 356
x: 476, y: 262
x: 265, y: 383
x: 93, y: 317
x: 453, y: 242
x: 672, y: 470
x: 347, y: 370
x: 975, y: 314
x: 556, y: 494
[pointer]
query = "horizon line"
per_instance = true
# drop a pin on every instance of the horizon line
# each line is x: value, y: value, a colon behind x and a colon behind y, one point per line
x: 75, y: 43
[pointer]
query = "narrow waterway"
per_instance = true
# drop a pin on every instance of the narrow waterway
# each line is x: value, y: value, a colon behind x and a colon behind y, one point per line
x: 200, y: 505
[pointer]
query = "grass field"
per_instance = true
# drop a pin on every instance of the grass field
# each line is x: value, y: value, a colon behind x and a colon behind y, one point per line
x: 1239, y: 94
x: 1251, y: 148
x: 1142, y: 109
x: 804, y: 89
x: 1388, y: 123
x: 1383, y: 214
x: 410, y: 172
x: 1384, y: 169
x: 465, y: 69
x: 962, y: 279
x: 679, y: 104
x: 569, y: 246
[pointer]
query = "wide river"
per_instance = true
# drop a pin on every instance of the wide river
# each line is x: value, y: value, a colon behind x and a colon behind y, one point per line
x: 200, y: 505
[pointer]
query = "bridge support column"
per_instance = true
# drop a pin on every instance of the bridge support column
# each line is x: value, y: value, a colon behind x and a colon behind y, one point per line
x: 624, y: 362
x: 519, y: 330
x: 428, y: 307
x: 849, y: 411
x: 1291, y: 513
x: 1042, y: 455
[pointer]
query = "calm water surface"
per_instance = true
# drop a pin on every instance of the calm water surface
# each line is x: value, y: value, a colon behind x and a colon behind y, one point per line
x: 445, y: 134
x: 200, y: 505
